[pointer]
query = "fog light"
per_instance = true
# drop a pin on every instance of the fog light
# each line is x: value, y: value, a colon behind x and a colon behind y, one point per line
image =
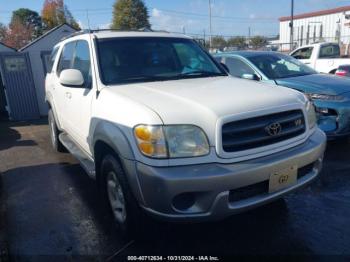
x: 184, y: 201
x: 322, y: 110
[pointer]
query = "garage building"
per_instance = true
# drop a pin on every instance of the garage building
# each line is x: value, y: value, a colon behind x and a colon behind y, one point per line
x: 39, y: 53
x: 22, y: 89
x: 3, y: 103
x: 331, y: 25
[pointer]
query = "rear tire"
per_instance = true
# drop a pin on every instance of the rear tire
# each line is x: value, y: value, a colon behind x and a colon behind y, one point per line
x: 121, y: 203
x: 54, y: 133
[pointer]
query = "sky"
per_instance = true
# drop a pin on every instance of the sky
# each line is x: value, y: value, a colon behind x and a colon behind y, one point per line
x: 230, y: 17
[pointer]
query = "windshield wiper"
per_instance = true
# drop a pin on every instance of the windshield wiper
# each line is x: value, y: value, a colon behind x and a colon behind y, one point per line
x: 201, y: 73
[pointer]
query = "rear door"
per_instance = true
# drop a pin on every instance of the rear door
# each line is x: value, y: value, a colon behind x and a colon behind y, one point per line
x: 328, y: 56
x: 19, y: 85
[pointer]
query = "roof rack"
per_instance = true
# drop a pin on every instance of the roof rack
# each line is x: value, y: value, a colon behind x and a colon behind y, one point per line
x: 90, y: 31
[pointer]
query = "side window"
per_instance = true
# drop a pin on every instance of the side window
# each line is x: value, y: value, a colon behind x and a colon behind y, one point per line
x: 82, y: 60
x: 66, y: 59
x: 329, y: 51
x: 218, y: 59
x: 49, y: 61
x: 237, y: 67
x: 304, y: 53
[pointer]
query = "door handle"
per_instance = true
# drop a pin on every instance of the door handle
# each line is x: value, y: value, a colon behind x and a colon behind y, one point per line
x: 68, y: 95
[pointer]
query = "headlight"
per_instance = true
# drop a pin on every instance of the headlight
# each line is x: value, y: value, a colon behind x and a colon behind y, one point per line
x: 325, y: 97
x: 311, y: 114
x: 171, y: 141
x: 186, y: 141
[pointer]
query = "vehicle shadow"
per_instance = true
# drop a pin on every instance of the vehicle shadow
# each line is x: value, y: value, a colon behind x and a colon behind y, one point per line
x: 60, y: 213
x: 10, y: 137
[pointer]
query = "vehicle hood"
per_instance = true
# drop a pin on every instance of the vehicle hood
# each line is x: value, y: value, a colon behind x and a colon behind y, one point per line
x: 317, y: 83
x: 203, y: 101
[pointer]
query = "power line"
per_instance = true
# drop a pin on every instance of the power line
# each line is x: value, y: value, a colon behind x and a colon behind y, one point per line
x: 109, y: 11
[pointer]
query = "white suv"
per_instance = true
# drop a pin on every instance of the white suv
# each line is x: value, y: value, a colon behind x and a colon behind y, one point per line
x: 165, y: 131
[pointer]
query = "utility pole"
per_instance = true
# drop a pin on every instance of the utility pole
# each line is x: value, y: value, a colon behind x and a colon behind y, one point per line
x: 291, y: 25
x: 210, y: 26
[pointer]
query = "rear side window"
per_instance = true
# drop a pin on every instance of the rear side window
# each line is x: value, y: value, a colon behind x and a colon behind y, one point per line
x: 304, y: 53
x: 66, y: 59
x: 330, y: 51
x: 237, y: 67
x: 82, y: 60
x: 51, y: 60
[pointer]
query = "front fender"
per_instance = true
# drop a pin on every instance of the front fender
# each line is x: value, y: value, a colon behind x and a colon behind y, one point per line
x: 112, y: 135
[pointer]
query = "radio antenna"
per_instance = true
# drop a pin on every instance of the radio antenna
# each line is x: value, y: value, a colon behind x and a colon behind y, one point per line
x: 88, y: 20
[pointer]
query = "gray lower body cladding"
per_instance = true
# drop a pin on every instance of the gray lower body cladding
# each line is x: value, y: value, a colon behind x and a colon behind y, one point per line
x: 209, y: 191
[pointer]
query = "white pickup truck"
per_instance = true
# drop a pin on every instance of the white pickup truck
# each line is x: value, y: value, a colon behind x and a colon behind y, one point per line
x: 164, y: 130
x: 323, y: 57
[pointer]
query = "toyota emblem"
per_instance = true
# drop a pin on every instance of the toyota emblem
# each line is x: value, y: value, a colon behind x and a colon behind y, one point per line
x: 274, y: 129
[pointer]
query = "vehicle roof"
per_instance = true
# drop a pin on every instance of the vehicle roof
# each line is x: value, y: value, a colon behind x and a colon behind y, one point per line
x: 249, y: 53
x: 316, y: 44
x: 111, y: 34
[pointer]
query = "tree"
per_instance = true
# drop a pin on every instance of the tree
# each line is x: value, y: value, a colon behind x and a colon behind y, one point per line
x: 258, y: 41
x: 218, y: 42
x: 239, y: 42
x: 28, y: 18
x: 130, y: 15
x: 55, y: 13
x: 3, y: 32
x: 18, y: 34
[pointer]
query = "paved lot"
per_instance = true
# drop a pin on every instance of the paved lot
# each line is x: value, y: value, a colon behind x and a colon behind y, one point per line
x: 50, y: 207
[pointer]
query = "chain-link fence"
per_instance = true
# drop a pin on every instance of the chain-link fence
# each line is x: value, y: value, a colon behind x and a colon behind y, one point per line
x: 227, y: 44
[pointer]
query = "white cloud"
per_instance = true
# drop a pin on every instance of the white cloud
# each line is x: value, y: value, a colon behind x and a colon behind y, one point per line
x: 81, y: 24
x: 105, y: 26
x: 252, y: 16
x: 161, y: 20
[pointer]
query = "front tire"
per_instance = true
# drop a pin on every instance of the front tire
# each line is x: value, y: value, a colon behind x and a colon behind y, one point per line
x: 117, y: 194
x: 54, y: 133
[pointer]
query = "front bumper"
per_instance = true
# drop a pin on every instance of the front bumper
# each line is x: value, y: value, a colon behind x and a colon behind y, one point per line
x: 209, y: 187
x: 337, y: 122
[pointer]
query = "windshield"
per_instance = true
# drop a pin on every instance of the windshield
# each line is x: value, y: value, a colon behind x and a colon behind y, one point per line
x: 140, y: 59
x: 276, y: 66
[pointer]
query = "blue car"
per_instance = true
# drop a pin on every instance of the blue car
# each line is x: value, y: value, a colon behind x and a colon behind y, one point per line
x: 330, y: 94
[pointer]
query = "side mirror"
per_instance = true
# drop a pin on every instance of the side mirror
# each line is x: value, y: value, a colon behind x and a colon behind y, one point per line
x: 225, y: 67
x: 71, y: 78
x: 254, y: 77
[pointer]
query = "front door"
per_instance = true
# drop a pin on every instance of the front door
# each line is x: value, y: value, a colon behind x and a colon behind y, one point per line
x: 19, y: 85
x: 75, y: 102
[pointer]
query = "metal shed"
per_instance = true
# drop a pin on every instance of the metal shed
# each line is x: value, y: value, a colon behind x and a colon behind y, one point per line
x: 3, y: 100
x: 38, y: 53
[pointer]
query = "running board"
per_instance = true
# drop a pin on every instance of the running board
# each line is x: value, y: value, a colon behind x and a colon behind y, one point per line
x: 85, y: 161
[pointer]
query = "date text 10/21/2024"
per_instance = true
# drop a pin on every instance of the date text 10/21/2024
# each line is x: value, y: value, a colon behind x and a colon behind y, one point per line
x: 173, y: 258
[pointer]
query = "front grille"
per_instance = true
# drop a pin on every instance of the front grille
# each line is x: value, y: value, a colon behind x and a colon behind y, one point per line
x: 262, y: 131
x: 249, y: 191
